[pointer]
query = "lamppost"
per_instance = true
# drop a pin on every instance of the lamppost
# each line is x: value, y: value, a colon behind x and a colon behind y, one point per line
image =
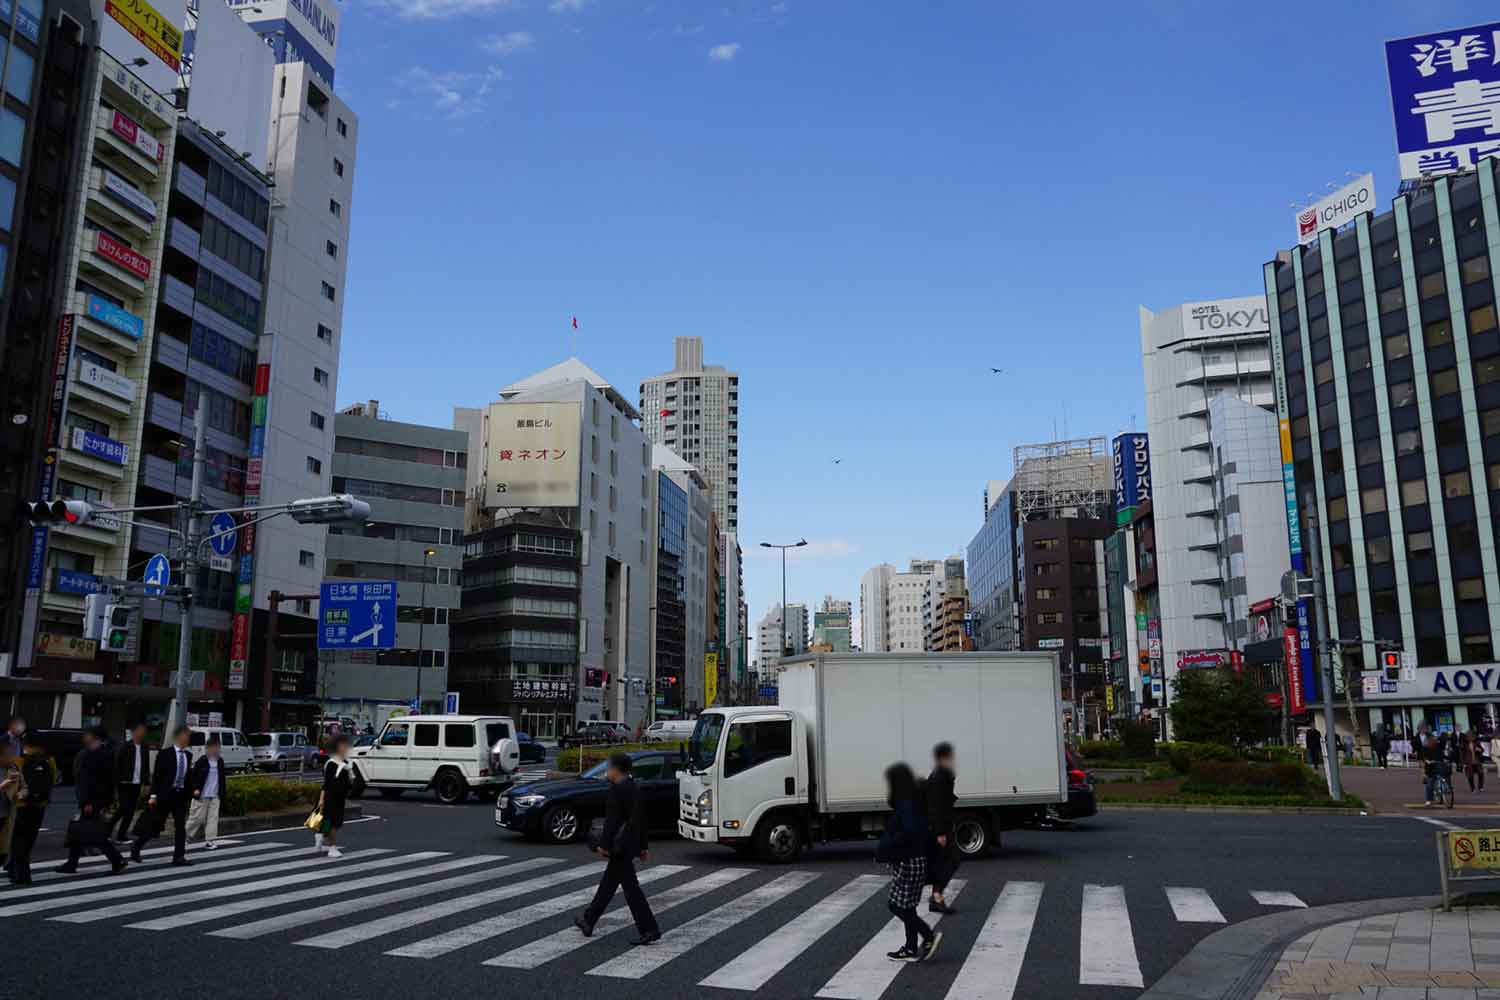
x: 422, y: 623
x: 781, y: 650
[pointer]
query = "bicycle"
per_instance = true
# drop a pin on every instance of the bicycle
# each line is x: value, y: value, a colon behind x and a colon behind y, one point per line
x: 1444, y: 789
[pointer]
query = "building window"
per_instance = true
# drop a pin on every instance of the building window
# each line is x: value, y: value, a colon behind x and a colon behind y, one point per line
x: 18, y: 74
x: 1378, y: 549
x: 1445, y: 382
x: 315, y: 419
x: 1419, y: 542
x: 331, y: 249
x: 1413, y: 492
x: 328, y: 292
x: 320, y: 377
x: 342, y: 127
x: 314, y: 466
x: 325, y: 333
x: 1437, y: 333
x: 611, y: 534
x: 1456, y: 484
x: 1482, y: 320
x: 306, y: 558
x: 1403, y: 394
x: 12, y: 136
x: 338, y: 167
x: 335, y: 208
x: 611, y: 498
x: 1373, y: 499
x: 1049, y: 618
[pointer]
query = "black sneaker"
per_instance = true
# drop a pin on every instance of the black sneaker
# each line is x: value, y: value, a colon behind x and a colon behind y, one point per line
x: 135, y: 854
x: 67, y: 870
x: 930, y: 946
x: 181, y: 862
x: 650, y: 937
x: 583, y: 925
x: 903, y: 954
x: 118, y: 867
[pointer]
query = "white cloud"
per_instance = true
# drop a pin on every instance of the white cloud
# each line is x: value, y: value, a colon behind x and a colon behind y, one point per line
x: 725, y: 52
x: 779, y: 8
x: 509, y: 42
x: 562, y: 6
x: 455, y: 95
x: 438, y: 10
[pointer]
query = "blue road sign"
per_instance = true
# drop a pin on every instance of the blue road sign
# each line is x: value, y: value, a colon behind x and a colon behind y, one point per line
x: 158, y: 576
x: 357, y: 614
x: 450, y: 703
x: 221, y: 534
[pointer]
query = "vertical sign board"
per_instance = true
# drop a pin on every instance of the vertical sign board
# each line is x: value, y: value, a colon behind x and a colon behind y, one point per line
x: 244, y: 589
x: 710, y: 678
x: 1132, y: 460
x: 1445, y: 96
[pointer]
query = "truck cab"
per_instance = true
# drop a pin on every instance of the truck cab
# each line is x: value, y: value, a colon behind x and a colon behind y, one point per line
x: 746, y: 785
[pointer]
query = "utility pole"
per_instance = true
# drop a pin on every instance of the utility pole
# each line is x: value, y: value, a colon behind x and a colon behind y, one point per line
x: 1324, y: 652
x: 422, y: 623
x: 780, y: 650
x: 190, y: 558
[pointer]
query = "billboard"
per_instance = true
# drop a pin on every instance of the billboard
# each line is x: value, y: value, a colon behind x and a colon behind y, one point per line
x: 1445, y: 96
x: 710, y: 678
x: 304, y: 31
x: 1132, y: 457
x: 231, y: 70
x: 146, y: 25
x: 1225, y: 317
x: 533, y: 455
x: 1338, y: 209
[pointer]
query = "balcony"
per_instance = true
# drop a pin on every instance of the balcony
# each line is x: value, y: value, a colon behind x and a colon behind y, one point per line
x: 129, y: 157
x: 164, y: 411
x: 159, y: 474
x: 189, y: 182
x: 120, y: 206
x: 107, y: 390
x: 171, y: 352
x: 106, y: 327
x: 1197, y: 442
x: 178, y: 294
x: 183, y: 237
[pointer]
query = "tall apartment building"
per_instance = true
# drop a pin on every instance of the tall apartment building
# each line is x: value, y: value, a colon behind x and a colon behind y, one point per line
x: 413, y: 477
x: 1193, y: 354
x: 694, y: 409
x: 874, y: 608
x: 832, y: 627
x: 945, y: 595
x: 682, y: 511
x: 768, y: 637
x: 894, y: 606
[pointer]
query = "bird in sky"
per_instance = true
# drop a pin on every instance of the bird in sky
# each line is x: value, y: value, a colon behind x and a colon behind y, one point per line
x: 998, y: 371
x: 838, y: 461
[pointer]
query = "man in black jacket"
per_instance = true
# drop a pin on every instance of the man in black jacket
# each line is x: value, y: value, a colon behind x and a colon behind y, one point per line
x: 131, y: 775
x: 943, y: 861
x: 170, y: 796
x: 623, y: 839
x: 94, y: 786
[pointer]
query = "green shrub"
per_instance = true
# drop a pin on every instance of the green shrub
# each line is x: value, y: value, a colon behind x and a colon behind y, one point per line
x: 1138, y: 738
x: 1100, y: 750
x: 247, y: 794
x: 1272, y: 755
x: 1240, y: 778
x: 1182, y: 755
x: 567, y: 760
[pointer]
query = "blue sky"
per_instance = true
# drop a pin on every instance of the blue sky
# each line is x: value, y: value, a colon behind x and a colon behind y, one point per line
x: 861, y: 206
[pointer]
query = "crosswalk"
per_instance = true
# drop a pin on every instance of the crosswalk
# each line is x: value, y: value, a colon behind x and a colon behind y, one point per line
x: 734, y: 929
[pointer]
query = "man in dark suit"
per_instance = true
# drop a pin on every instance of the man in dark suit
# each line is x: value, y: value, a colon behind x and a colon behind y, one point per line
x: 131, y: 774
x: 94, y: 786
x: 942, y: 860
x: 623, y: 840
x: 170, y: 796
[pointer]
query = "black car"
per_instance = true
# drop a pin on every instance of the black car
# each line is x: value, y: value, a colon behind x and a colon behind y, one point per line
x: 1081, y: 800
x: 559, y: 811
x: 532, y: 752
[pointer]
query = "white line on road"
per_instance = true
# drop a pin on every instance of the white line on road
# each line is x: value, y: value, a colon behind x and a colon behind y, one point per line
x: 462, y: 937
x: 405, y: 921
x: 762, y: 960
x: 334, y: 911
x: 299, y: 828
x: 869, y: 973
x: 994, y: 963
x: 1106, y: 945
x: 1193, y: 906
x: 544, y: 950
x: 1436, y: 822
x: 1277, y: 899
x: 94, y: 867
x: 680, y: 940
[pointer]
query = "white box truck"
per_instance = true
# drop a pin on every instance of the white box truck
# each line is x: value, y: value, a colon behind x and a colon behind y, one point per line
x: 811, y: 768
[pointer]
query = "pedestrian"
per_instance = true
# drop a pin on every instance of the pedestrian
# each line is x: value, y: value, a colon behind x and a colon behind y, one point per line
x: 12, y: 751
x: 13, y: 740
x: 169, y: 798
x: 903, y: 846
x: 1380, y: 743
x: 94, y: 786
x: 942, y: 861
x: 1314, y: 748
x: 131, y: 775
x: 336, y: 774
x: 38, y: 775
x: 622, y: 841
x: 208, y: 786
x: 1471, y: 755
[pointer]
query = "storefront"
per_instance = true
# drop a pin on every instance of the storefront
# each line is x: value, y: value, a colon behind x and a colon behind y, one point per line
x: 1448, y: 699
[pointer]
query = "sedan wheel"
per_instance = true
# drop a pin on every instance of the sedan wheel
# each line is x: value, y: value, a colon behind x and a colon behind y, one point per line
x: 561, y: 825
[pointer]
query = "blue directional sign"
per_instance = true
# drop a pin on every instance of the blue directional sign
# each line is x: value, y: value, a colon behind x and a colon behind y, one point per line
x: 158, y: 576
x: 357, y: 614
x: 221, y: 534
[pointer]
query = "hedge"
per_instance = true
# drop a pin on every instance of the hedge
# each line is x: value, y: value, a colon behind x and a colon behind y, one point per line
x: 567, y: 760
x: 1242, y: 778
x: 247, y: 794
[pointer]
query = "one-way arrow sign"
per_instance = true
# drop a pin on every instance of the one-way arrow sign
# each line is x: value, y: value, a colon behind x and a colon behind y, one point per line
x: 357, y: 614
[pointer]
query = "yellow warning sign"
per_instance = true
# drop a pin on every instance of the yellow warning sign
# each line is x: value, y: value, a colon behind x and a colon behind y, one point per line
x: 1473, y: 850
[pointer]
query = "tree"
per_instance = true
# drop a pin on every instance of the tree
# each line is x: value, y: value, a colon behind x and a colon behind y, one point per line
x: 1218, y: 706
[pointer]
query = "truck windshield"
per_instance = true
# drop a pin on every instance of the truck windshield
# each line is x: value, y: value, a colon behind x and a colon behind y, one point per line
x: 704, y: 744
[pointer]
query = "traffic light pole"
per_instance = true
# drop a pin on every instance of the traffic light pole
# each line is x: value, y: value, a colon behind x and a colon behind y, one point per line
x: 190, y: 536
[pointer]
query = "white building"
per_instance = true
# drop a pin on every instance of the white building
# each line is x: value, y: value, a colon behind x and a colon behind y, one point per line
x: 895, y: 607
x: 874, y: 616
x: 1194, y: 354
x: 767, y: 639
x: 694, y: 409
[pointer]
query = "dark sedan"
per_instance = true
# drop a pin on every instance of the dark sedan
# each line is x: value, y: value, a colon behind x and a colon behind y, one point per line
x: 1081, y: 800
x: 532, y: 752
x: 559, y: 811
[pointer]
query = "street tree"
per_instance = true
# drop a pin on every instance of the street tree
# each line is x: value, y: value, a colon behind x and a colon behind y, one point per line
x: 1218, y: 706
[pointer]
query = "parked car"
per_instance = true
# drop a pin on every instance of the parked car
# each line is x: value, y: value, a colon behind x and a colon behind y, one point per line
x: 1081, y: 800
x: 532, y: 752
x: 560, y: 811
x: 281, y: 751
x: 670, y: 731
x: 362, y: 740
x: 594, y: 734
x: 234, y: 746
x: 451, y: 754
x: 62, y: 745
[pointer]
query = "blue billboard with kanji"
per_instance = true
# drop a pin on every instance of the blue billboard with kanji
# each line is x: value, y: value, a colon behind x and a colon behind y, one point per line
x: 357, y: 614
x: 1445, y: 94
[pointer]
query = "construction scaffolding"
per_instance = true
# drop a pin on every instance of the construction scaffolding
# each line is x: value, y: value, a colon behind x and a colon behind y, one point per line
x: 1073, y: 478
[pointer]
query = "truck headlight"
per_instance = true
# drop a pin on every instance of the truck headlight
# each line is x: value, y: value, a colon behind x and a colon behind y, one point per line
x: 706, y: 807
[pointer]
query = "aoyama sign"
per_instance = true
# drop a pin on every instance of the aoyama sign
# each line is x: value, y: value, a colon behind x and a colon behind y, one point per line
x: 1475, y: 682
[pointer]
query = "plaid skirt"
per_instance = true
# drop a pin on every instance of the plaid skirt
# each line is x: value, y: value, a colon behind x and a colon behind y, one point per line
x: 908, y: 878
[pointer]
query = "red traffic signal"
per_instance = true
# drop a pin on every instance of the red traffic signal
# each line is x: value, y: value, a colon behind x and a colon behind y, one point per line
x: 59, y: 512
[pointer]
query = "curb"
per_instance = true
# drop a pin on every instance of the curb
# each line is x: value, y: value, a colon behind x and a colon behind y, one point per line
x: 1234, y: 963
x: 1106, y: 805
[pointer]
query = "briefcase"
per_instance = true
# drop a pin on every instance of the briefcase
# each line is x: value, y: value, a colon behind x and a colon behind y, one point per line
x: 596, y: 833
x: 87, y: 831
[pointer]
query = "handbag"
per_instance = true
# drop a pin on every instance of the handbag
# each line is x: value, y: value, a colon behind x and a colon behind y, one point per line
x: 86, y: 831
x: 315, y: 821
x: 596, y: 833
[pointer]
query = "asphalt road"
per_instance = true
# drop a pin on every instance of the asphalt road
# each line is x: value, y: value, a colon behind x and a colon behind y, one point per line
x: 1061, y: 913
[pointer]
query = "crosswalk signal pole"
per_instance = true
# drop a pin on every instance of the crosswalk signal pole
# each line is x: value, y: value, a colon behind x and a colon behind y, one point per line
x: 190, y: 536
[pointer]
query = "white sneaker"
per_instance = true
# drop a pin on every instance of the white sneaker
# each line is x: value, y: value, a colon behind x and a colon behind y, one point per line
x: 212, y: 845
x: 317, y: 841
x: 334, y: 852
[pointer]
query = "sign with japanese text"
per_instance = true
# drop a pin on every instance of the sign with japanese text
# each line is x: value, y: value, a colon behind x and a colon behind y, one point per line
x: 1132, y: 457
x: 118, y: 253
x: 538, y: 689
x: 72, y: 581
x: 106, y: 381
x: 161, y: 37
x: 100, y: 447
x: 134, y: 133
x: 1473, y: 850
x: 1338, y: 209
x: 1292, y: 657
x: 128, y: 194
x: 1445, y: 95
x: 710, y: 678
x: 114, y: 317
x: 357, y: 614
x: 534, y: 455
x: 67, y: 647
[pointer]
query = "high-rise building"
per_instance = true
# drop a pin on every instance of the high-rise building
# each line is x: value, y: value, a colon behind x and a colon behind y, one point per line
x: 695, y: 410
x: 874, y: 608
x: 895, y: 608
x: 991, y: 573
x: 734, y: 616
x: 683, y: 510
x: 1193, y: 354
x: 832, y: 626
x: 769, y: 635
x: 943, y: 596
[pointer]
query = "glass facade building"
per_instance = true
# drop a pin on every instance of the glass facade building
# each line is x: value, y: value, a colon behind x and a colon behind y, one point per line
x: 671, y: 595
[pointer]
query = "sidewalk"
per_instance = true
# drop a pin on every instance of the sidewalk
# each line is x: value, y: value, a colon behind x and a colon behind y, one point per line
x: 1414, y: 955
x: 1397, y: 789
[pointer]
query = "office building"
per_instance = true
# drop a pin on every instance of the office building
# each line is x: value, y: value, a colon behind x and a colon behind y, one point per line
x: 694, y: 409
x: 832, y: 628
x: 413, y: 478
x: 769, y: 635
x: 945, y: 600
x: 1388, y: 385
x: 734, y: 653
x: 683, y: 510
x: 555, y: 623
x: 895, y: 607
x: 874, y: 608
x: 991, y: 573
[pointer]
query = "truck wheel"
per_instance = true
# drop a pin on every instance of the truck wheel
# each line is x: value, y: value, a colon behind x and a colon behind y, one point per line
x: 778, y: 839
x: 450, y: 788
x: 971, y: 834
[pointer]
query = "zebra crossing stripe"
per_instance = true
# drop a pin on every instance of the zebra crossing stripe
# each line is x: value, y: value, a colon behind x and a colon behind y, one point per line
x: 462, y: 937
x: 544, y: 950
x: 993, y: 966
x: 755, y: 966
x: 73, y: 883
x: 1266, y: 899
x: 220, y: 911
x: 75, y: 893
x: 1193, y: 906
x: 96, y: 865
x: 335, y: 911
x: 869, y: 973
x: 327, y: 870
x: 1106, y: 945
x: 680, y: 940
x: 405, y: 921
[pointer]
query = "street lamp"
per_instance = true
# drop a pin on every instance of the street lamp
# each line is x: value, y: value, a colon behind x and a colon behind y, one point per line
x: 781, y: 650
x: 422, y: 622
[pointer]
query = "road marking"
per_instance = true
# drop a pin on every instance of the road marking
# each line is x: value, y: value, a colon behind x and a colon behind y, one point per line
x: 462, y: 937
x: 98, y: 869
x: 1278, y: 899
x: 299, y: 828
x: 72, y: 893
x: 994, y: 963
x: 1193, y: 906
x: 355, y: 933
x: 544, y: 950
x: 208, y: 914
x: 639, y: 962
x: 334, y: 911
x: 329, y: 869
x: 1436, y: 822
x: 869, y: 973
x: 1106, y: 945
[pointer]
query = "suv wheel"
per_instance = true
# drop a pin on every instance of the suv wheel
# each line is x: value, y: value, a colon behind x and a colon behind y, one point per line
x: 450, y: 787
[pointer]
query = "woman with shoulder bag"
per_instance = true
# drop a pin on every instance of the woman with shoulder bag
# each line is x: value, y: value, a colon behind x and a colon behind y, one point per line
x: 336, y: 775
x: 903, y: 846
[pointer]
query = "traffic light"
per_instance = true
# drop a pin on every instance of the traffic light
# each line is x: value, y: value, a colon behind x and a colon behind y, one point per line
x: 1391, y: 661
x: 116, y: 628
x: 59, y: 512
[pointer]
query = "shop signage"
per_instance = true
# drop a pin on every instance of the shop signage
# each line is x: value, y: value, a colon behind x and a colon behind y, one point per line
x: 121, y: 255
x: 67, y: 647
x: 1443, y: 93
x: 1202, y: 658
x: 1049, y: 644
x: 161, y: 37
x: 1132, y: 459
x: 1293, y: 659
x: 100, y: 447
x: 540, y: 689
x: 129, y: 195
x: 112, y: 315
x: 71, y: 581
x: 106, y: 381
x: 1338, y: 209
x: 126, y: 128
x: 80, y: 677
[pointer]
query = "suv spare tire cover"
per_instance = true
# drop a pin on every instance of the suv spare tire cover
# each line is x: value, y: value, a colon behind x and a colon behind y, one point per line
x: 505, y: 755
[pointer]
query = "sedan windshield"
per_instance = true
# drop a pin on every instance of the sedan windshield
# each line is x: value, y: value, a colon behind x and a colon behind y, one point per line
x: 704, y: 743
x: 597, y: 771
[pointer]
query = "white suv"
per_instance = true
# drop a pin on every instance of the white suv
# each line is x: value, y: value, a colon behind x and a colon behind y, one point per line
x: 451, y: 754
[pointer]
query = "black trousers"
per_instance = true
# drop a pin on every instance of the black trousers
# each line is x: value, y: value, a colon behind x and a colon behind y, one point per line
x: 943, y: 864
x: 130, y: 795
x: 620, y: 874
x: 916, y: 927
x: 174, y: 805
x: 107, y: 848
x: 28, y: 822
